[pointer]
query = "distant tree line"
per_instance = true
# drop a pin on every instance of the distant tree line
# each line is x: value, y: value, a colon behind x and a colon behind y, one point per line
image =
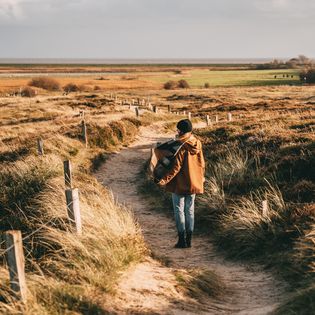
x: 305, y: 64
x: 294, y: 63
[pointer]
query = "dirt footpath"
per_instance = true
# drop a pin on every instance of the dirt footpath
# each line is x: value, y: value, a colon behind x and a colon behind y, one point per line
x: 150, y: 288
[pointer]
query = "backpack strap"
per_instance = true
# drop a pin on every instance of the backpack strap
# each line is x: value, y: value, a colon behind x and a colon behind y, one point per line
x: 181, y: 146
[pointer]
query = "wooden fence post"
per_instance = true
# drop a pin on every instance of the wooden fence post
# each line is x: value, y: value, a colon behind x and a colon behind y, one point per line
x: 229, y: 116
x: 216, y: 118
x: 40, y: 146
x: 16, y: 263
x: 73, y: 208
x: 189, y: 115
x: 264, y: 208
x: 169, y: 108
x: 137, y: 111
x: 81, y: 113
x: 68, y: 173
x: 208, y: 120
x: 84, y: 133
x: 155, y: 109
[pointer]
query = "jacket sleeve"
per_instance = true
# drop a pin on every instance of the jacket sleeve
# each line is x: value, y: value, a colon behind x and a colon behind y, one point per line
x: 178, y: 163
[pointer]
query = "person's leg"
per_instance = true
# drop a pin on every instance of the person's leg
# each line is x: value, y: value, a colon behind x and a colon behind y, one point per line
x: 179, y: 205
x: 189, y: 217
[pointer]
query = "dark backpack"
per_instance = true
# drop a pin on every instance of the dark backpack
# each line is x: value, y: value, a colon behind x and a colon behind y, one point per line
x: 166, y: 163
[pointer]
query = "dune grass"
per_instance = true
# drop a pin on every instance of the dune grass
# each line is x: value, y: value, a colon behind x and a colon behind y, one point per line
x: 199, y: 284
x: 65, y: 272
x: 271, y: 142
x: 58, y: 262
x: 265, y: 153
x: 246, y: 167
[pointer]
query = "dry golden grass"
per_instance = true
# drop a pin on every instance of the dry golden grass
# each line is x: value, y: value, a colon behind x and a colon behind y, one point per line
x: 265, y: 153
x: 64, y: 272
x: 264, y: 120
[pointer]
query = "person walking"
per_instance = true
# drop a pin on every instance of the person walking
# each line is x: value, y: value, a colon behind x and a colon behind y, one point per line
x: 184, y: 180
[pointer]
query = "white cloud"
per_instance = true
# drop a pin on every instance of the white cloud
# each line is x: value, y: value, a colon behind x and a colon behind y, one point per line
x: 10, y: 9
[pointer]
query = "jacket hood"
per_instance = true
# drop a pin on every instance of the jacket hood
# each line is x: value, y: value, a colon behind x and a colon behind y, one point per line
x: 193, y: 145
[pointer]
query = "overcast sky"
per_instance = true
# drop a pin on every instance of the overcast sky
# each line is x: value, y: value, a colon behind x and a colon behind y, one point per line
x: 156, y: 28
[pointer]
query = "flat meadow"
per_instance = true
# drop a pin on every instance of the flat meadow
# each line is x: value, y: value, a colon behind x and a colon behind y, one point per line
x: 265, y: 153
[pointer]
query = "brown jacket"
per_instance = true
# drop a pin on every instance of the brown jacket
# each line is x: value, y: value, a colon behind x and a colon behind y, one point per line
x: 187, y: 174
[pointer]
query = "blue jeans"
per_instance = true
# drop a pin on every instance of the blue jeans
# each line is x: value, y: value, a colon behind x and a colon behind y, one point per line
x: 184, y: 206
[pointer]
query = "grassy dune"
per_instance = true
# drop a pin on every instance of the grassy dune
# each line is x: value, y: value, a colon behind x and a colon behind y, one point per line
x: 64, y: 272
x: 269, y: 156
x: 266, y: 153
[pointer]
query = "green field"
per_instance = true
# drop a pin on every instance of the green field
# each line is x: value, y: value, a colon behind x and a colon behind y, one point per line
x: 198, y: 77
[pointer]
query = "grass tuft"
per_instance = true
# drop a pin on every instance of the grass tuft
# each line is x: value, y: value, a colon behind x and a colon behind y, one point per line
x: 200, y: 284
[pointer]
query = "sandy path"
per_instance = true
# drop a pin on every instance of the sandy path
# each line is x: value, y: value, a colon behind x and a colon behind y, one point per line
x: 252, y: 291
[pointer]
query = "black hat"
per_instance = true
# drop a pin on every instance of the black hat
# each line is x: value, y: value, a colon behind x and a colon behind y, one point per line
x: 184, y: 125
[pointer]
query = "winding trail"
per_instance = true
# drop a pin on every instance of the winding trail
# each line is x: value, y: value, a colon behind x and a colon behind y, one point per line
x: 150, y: 287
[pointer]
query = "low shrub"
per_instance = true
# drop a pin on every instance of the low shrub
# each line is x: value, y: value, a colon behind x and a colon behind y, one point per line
x: 170, y: 85
x: 71, y: 87
x: 48, y: 84
x: 207, y: 85
x: 183, y: 84
x: 28, y: 92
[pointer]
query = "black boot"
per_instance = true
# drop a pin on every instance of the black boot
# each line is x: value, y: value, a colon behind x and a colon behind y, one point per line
x: 181, y: 241
x: 188, y: 239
